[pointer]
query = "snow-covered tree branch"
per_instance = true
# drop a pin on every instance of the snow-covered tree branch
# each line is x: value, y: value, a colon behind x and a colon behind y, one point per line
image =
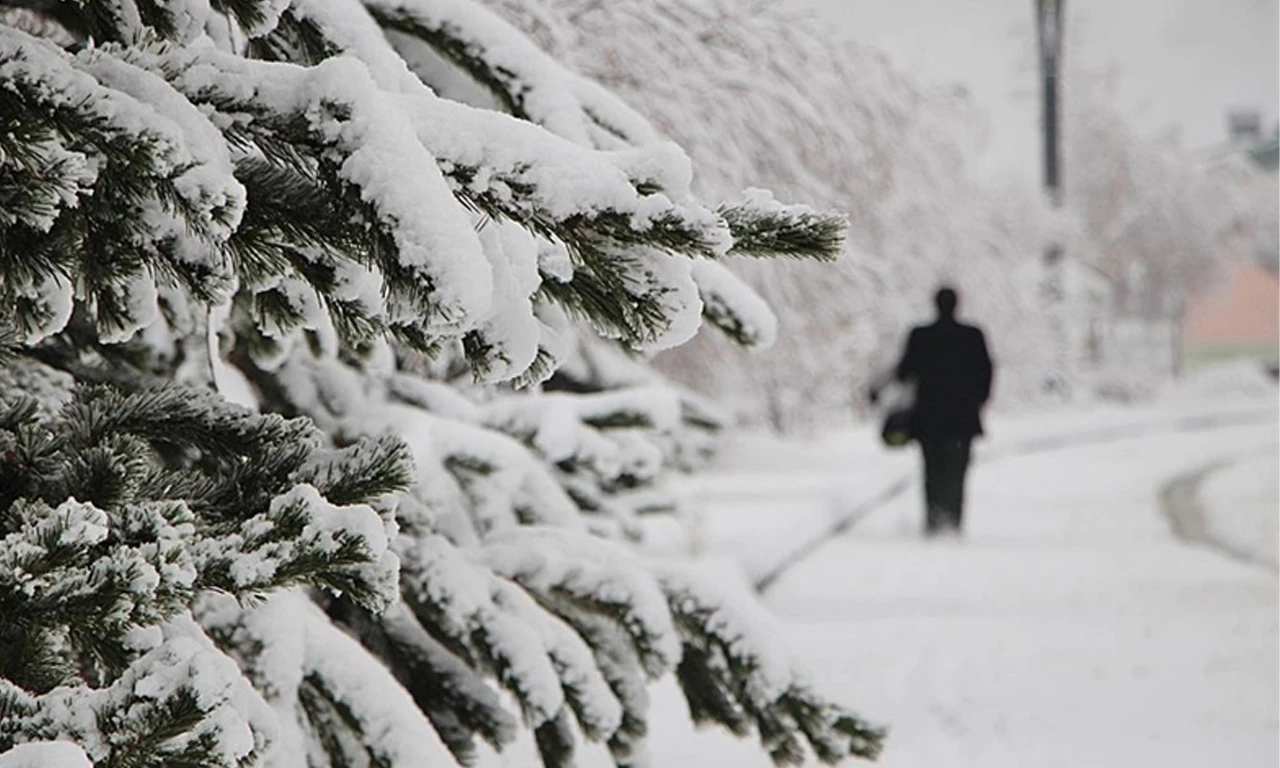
x: 397, y: 531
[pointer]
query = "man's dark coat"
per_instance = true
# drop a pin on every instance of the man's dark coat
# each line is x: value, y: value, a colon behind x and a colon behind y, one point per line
x: 949, y: 364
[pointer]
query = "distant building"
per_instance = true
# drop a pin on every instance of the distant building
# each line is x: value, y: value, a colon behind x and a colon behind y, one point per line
x: 1244, y: 126
x: 1244, y: 131
x: 1267, y: 154
x: 1239, y: 318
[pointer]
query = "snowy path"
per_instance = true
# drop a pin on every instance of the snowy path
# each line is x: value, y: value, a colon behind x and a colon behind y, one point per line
x: 1071, y: 627
x: 848, y: 514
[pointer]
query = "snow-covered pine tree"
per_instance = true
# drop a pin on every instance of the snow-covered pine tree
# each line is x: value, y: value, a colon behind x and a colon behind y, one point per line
x: 273, y: 201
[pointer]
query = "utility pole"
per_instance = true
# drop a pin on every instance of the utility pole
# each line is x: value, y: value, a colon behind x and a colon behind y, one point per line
x: 1053, y: 289
x: 1049, y: 34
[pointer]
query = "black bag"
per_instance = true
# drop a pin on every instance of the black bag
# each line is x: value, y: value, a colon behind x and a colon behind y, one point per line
x: 896, y: 432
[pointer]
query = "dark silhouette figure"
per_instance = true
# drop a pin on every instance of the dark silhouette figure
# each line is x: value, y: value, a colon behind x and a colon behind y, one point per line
x: 951, y: 369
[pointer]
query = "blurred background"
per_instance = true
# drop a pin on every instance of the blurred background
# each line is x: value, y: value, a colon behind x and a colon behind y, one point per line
x: 922, y: 121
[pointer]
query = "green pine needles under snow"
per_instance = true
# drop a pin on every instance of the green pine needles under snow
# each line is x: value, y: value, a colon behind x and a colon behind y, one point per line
x: 323, y: 436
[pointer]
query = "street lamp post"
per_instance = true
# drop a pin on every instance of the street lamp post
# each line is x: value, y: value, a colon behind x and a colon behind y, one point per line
x: 1049, y: 34
x: 1053, y: 289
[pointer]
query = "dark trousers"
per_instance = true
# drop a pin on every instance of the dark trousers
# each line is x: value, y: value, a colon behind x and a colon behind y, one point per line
x: 946, y: 460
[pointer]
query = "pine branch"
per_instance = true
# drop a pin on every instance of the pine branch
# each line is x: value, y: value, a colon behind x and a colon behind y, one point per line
x: 139, y: 212
x: 361, y: 472
x: 182, y: 719
x: 771, y: 230
x: 729, y: 680
x: 610, y: 244
x: 458, y: 701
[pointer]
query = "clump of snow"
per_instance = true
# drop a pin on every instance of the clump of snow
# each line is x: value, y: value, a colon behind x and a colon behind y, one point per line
x: 669, y: 279
x: 212, y: 196
x: 510, y: 330
x: 557, y: 337
x: 45, y: 754
x: 731, y: 303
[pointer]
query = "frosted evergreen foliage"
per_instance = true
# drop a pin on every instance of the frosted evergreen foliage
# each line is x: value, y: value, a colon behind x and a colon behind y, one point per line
x: 116, y: 514
x: 412, y: 539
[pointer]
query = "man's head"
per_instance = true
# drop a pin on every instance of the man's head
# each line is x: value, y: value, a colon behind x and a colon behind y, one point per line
x: 946, y: 300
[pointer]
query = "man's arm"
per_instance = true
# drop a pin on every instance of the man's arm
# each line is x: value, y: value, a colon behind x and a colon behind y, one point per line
x: 909, y: 365
x: 985, y: 369
x: 901, y: 372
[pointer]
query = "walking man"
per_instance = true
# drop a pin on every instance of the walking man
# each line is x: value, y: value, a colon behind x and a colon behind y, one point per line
x: 951, y: 369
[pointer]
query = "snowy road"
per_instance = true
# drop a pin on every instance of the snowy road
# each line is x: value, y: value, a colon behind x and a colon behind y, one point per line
x: 1070, y: 628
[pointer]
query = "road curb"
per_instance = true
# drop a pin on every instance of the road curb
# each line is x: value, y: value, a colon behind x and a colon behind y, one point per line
x: 1181, y: 504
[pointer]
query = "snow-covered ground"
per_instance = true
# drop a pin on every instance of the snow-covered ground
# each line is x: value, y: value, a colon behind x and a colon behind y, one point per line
x: 1070, y: 627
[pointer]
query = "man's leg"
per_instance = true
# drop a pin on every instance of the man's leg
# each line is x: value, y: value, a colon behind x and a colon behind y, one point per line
x: 957, y: 468
x: 934, y: 480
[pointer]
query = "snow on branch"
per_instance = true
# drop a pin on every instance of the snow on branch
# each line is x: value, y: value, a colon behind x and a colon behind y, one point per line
x: 459, y: 702
x: 175, y: 704
x: 132, y: 541
x: 535, y: 87
x: 494, y: 624
x: 732, y: 306
x: 270, y: 182
x: 345, y: 688
x: 734, y: 673
x: 88, y: 138
x: 529, y: 83
x: 595, y: 574
x: 510, y: 189
x: 606, y: 449
x: 434, y: 267
x: 623, y: 216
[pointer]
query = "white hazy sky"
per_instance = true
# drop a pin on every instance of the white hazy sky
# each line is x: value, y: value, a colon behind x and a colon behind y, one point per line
x: 1181, y: 64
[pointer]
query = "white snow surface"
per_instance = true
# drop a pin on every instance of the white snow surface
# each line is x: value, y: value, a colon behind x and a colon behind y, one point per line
x: 1069, y: 627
